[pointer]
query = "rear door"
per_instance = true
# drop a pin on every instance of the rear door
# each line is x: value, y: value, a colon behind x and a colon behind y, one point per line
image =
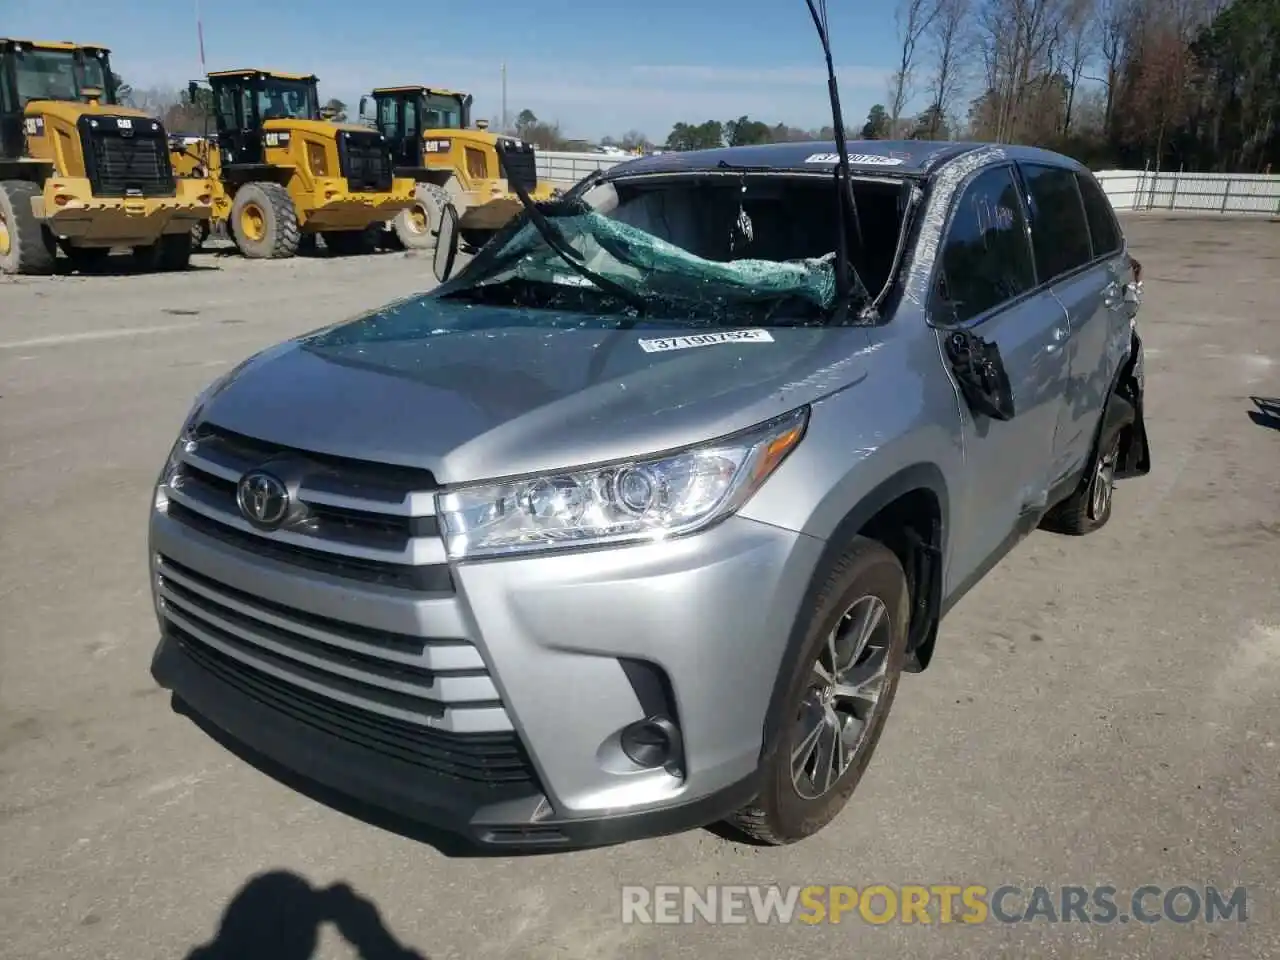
x: 1079, y: 276
x: 986, y: 289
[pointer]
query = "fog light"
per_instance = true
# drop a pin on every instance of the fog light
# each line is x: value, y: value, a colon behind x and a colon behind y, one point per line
x: 649, y: 742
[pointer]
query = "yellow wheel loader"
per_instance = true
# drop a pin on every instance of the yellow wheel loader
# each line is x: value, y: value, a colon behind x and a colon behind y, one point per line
x: 433, y: 142
x: 79, y: 171
x: 283, y: 175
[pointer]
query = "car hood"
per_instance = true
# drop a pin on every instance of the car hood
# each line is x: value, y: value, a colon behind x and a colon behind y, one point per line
x: 471, y: 392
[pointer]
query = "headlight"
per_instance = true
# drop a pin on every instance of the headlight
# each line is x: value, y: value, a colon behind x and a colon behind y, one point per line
x: 642, y: 499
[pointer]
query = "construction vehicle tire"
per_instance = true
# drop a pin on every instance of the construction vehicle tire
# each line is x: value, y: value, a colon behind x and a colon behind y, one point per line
x: 264, y: 221
x: 199, y: 234
x: 171, y: 252
x: 417, y: 227
x: 346, y: 243
x: 26, y: 245
x: 86, y: 259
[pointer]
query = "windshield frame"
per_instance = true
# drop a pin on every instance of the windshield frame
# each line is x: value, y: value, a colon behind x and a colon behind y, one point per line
x: 81, y: 59
x: 496, y: 255
x: 433, y: 100
x: 266, y: 84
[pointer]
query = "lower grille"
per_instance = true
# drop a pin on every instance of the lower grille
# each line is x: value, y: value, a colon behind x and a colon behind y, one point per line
x: 519, y: 164
x: 120, y: 165
x: 365, y: 160
x: 495, y: 762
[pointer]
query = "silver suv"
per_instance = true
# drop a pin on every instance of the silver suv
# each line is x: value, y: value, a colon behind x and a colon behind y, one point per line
x: 633, y: 524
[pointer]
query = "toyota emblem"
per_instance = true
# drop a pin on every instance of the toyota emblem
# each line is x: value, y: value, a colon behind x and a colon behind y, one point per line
x: 263, y: 499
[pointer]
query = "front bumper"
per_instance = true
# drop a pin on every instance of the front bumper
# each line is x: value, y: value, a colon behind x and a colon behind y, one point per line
x: 493, y: 203
x: 332, y: 206
x: 71, y: 210
x: 559, y: 636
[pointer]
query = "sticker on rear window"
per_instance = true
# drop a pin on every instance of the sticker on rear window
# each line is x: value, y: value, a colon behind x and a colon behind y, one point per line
x: 865, y: 159
x: 660, y: 344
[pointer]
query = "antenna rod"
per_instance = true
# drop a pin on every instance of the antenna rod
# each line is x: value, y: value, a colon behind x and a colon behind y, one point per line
x: 200, y: 37
x: 844, y: 189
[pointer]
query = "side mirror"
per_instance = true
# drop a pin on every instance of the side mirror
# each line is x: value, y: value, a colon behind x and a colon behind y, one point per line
x: 367, y: 111
x: 192, y: 89
x: 446, y: 243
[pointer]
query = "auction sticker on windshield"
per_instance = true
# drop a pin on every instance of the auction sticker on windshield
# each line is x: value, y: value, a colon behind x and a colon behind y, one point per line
x: 865, y: 159
x: 660, y: 344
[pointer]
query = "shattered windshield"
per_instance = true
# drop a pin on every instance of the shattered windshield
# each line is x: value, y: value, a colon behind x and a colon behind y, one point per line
x: 706, y: 255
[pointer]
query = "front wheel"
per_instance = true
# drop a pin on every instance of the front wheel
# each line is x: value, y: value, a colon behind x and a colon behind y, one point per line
x: 417, y: 227
x: 837, y: 699
x: 264, y: 221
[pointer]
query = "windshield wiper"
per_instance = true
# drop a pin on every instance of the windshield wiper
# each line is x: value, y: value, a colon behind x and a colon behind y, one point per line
x: 556, y: 241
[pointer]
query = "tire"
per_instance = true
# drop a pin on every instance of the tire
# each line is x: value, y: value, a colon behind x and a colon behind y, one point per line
x: 27, y: 246
x: 264, y: 221
x: 199, y: 234
x: 793, y: 804
x: 86, y: 259
x: 345, y: 243
x: 417, y: 227
x: 170, y: 253
x: 1089, y: 506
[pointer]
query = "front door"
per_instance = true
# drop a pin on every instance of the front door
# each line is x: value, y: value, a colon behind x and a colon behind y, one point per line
x: 987, y: 291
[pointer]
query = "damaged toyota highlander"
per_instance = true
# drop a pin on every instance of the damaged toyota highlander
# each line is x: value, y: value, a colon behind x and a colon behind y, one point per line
x: 634, y: 523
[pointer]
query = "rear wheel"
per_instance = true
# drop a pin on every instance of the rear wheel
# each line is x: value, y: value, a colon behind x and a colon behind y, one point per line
x: 26, y: 245
x: 345, y: 243
x: 838, y: 697
x: 199, y: 234
x: 1089, y: 507
x: 171, y: 252
x: 417, y: 227
x: 86, y: 259
x: 264, y: 221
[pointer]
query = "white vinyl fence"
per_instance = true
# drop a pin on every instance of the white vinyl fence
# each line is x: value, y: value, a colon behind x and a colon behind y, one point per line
x: 566, y: 169
x: 1220, y: 193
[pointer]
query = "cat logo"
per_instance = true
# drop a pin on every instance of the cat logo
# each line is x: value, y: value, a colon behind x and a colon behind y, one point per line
x: 34, y: 126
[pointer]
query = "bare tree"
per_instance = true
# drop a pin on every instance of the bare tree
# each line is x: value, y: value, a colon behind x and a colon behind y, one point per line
x: 1019, y: 40
x: 913, y: 18
x: 950, y: 44
x: 1083, y: 39
x: 1116, y: 23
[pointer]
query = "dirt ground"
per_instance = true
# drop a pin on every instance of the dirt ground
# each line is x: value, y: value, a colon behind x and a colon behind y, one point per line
x: 1102, y: 710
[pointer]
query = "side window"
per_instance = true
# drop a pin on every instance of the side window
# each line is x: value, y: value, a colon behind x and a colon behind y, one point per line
x: 1059, y: 231
x: 1102, y: 218
x: 227, y: 108
x: 986, y: 259
x: 388, y: 119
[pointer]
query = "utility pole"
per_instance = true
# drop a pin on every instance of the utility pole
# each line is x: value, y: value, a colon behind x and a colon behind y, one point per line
x: 505, y: 128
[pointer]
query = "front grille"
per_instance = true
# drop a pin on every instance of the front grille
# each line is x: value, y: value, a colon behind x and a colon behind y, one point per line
x: 126, y: 161
x: 519, y: 164
x: 365, y: 161
x: 426, y: 689
x: 349, y: 519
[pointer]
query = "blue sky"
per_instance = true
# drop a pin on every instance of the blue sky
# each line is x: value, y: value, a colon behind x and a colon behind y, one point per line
x: 603, y: 69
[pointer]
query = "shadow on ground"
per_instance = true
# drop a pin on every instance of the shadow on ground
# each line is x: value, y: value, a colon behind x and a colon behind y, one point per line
x: 278, y: 915
x: 1268, y: 412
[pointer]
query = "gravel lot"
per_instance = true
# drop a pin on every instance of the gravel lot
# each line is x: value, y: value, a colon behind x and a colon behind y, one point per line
x: 1102, y: 710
